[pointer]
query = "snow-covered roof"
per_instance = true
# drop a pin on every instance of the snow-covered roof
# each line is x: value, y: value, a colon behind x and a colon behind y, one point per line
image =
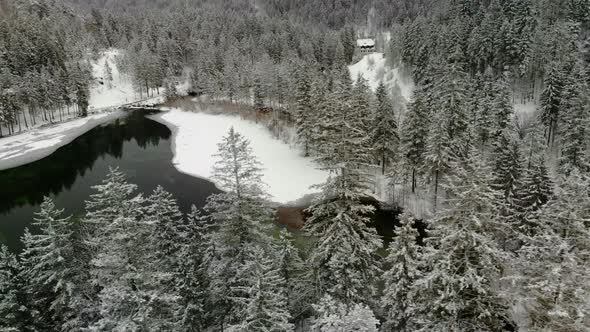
x: 366, y: 42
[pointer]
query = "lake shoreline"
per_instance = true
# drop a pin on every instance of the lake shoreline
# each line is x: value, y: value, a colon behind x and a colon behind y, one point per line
x: 34, y: 145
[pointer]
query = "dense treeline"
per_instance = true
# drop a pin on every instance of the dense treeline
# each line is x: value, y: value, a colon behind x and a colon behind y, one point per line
x: 42, y: 72
x: 507, y: 196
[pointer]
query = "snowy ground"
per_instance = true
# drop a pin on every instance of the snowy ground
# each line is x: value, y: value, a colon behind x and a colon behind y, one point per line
x: 287, y: 173
x: 374, y: 69
x: 39, y: 143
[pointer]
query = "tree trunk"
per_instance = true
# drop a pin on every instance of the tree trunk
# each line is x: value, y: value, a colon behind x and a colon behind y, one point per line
x: 435, y: 188
x: 383, y: 162
x: 25, y: 118
x: 413, y: 180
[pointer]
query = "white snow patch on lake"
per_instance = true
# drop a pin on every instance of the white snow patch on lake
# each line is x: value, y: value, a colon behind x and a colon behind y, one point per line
x: 287, y: 173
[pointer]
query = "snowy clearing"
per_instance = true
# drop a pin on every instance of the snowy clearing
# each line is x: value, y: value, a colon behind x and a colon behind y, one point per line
x: 39, y: 143
x: 287, y: 173
x: 373, y: 68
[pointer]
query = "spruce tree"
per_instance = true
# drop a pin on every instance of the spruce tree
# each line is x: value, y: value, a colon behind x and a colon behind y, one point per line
x: 414, y: 134
x: 333, y: 316
x: 339, y: 220
x: 466, y: 261
x: 240, y: 217
x: 575, y: 122
x: 259, y: 95
x: 438, y: 151
x: 502, y: 109
x: 11, y: 306
x: 360, y: 108
x: 170, y: 228
x: 554, y: 261
x: 507, y: 175
x: 400, y: 295
x: 384, y: 137
x: 48, y: 266
x: 121, y: 266
x: 163, y: 218
x: 193, y: 279
x: 536, y: 190
x: 262, y: 295
x: 551, y: 100
x: 304, y: 109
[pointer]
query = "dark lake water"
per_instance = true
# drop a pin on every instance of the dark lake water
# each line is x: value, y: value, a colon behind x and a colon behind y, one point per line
x: 140, y: 147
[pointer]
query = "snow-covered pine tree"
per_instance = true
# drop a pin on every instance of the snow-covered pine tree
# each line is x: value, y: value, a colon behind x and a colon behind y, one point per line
x: 48, y: 266
x: 121, y: 266
x: 466, y: 261
x: 304, y: 109
x: 551, y: 100
x: 339, y: 223
x: 438, y: 151
x: 12, y: 310
x: 536, y: 190
x: 361, y: 102
x: 171, y: 90
x: 502, y: 109
x: 575, y: 122
x: 108, y: 74
x: 258, y: 91
x: 241, y: 220
x: 339, y: 60
x: 507, y: 175
x: 554, y: 261
x: 383, y: 131
x: 341, y: 137
x: 414, y: 134
x: 335, y: 316
x: 163, y: 218
x: 112, y: 198
x: 339, y: 219
x: 193, y: 280
x: 170, y: 229
x: 118, y: 270
x: 401, y: 295
x: 322, y: 108
x: 449, y: 96
x: 262, y: 294
x: 482, y: 102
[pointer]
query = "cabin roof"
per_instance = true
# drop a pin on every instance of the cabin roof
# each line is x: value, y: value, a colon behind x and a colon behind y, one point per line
x: 365, y: 42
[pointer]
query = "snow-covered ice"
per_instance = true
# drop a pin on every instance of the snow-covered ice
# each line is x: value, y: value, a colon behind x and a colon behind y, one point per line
x: 39, y: 143
x: 287, y: 173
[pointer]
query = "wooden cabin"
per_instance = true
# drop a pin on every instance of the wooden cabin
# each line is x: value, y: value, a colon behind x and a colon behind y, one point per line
x: 365, y: 45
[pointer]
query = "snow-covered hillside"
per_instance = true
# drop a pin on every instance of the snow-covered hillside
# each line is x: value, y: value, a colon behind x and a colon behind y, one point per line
x: 286, y: 172
x: 374, y: 69
x: 118, y: 91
